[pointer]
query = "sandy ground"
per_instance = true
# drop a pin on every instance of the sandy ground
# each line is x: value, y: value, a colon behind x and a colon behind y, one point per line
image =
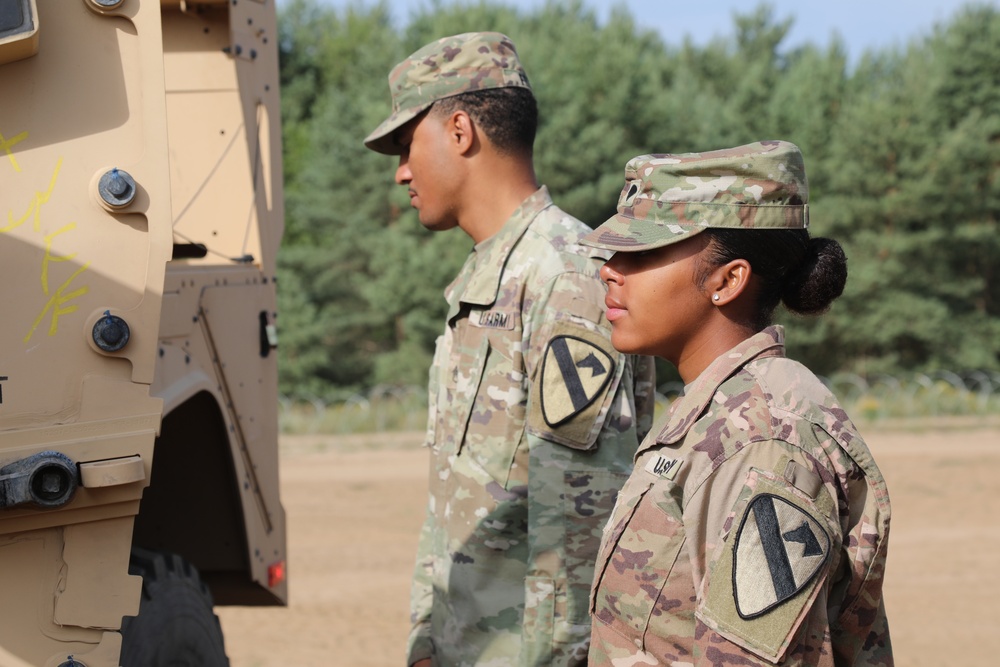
x: 354, y: 506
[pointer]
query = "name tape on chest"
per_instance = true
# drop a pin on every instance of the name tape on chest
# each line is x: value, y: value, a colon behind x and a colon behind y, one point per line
x: 663, y: 466
x: 494, y: 319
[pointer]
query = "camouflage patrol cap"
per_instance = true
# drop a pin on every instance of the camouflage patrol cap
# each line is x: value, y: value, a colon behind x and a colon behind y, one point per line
x: 450, y: 66
x: 668, y: 198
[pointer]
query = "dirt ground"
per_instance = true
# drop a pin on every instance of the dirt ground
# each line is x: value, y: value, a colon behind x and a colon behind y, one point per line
x: 354, y: 506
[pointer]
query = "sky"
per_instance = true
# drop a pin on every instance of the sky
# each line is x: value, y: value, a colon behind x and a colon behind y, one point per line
x: 861, y: 24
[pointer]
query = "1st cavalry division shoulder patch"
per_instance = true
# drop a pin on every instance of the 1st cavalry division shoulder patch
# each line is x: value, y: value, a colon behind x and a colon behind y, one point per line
x: 577, y: 370
x: 574, y: 371
x: 779, y: 548
x: 767, y: 572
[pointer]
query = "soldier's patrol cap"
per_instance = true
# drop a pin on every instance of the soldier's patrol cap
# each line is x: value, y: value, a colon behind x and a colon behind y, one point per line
x: 450, y: 66
x: 671, y: 197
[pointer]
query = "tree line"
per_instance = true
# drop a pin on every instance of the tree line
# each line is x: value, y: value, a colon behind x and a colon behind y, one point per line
x: 902, y: 151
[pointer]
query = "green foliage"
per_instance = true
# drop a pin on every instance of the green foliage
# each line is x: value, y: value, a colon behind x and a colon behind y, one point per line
x: 902, y: 152
x: 913, y: 196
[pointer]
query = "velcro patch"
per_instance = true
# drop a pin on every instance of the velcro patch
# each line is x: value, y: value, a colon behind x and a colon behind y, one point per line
x: 574, y: 371
x: 766, y: 574
x: 577, y: 370
x: 779, y: 548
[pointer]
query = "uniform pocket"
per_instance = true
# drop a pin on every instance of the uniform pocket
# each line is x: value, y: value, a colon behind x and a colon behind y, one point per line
x: 636, y: 561
x: 496, y: 413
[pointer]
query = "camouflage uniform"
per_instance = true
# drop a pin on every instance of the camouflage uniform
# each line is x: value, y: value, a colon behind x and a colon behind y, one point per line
x: 533, y: 420
x: 753, y: 529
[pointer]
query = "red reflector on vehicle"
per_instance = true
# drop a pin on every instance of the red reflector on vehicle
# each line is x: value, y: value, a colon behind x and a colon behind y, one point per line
x: 275, y: 573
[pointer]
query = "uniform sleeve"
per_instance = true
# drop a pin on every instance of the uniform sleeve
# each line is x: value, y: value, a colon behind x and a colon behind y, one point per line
x: 766, y: 572
x: 419, y: 644
x: 582, y: 436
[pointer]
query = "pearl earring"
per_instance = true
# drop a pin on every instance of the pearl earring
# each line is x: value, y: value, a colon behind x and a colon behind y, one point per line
x: 715, y: 297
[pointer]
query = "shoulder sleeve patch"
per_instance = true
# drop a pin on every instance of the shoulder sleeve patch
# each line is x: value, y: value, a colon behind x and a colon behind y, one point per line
x: 767, y: 574
x: 793, y: 546
x: 569, y: 396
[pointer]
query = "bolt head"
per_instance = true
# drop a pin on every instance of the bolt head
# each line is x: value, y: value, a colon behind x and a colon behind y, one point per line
x: 111, y: 333
x: 117, y: 188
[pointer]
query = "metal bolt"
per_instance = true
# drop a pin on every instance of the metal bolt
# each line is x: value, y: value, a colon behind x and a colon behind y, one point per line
x: 111, y: 333
x: 51, y: 483
x: 116, y: 184
x: 117, y: 188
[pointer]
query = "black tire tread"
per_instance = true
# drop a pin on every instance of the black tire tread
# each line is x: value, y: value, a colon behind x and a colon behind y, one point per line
x: 167, y: 576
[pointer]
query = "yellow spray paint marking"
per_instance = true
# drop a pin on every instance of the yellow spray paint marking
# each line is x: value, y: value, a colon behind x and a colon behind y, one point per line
x: 35, y: 208
x: 57, y: 304
x: 49, y: 257
x: 7, y: 144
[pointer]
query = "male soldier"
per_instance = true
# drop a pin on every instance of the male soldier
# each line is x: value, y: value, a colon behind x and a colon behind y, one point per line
x: 534, y: 417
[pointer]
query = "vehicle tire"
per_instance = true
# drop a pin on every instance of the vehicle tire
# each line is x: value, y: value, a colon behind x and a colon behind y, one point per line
x: 176, y: 625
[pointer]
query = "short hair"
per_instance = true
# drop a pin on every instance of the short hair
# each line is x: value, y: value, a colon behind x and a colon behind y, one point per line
x: 507, y: 116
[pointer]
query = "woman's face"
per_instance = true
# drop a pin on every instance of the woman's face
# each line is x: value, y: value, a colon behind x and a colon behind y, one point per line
x: 653, y: 303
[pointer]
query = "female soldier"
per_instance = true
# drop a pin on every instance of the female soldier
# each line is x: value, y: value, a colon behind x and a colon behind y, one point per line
x: 753, y: 529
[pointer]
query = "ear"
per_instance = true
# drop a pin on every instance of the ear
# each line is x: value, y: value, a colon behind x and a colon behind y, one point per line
x: 728, y: 281
x: 461, y: 132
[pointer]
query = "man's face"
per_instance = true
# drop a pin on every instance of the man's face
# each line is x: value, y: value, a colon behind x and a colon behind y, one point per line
x: 427, y: 166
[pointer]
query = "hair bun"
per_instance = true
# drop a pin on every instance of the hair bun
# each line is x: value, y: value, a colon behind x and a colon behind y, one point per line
x: 819, y: 280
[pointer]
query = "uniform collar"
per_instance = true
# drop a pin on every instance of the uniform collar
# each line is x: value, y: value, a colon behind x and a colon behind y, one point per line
x: 688, y: 408
x: 491, y: 255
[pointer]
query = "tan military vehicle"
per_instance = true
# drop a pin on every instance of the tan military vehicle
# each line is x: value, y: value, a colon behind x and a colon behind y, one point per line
x: 140, y: 213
